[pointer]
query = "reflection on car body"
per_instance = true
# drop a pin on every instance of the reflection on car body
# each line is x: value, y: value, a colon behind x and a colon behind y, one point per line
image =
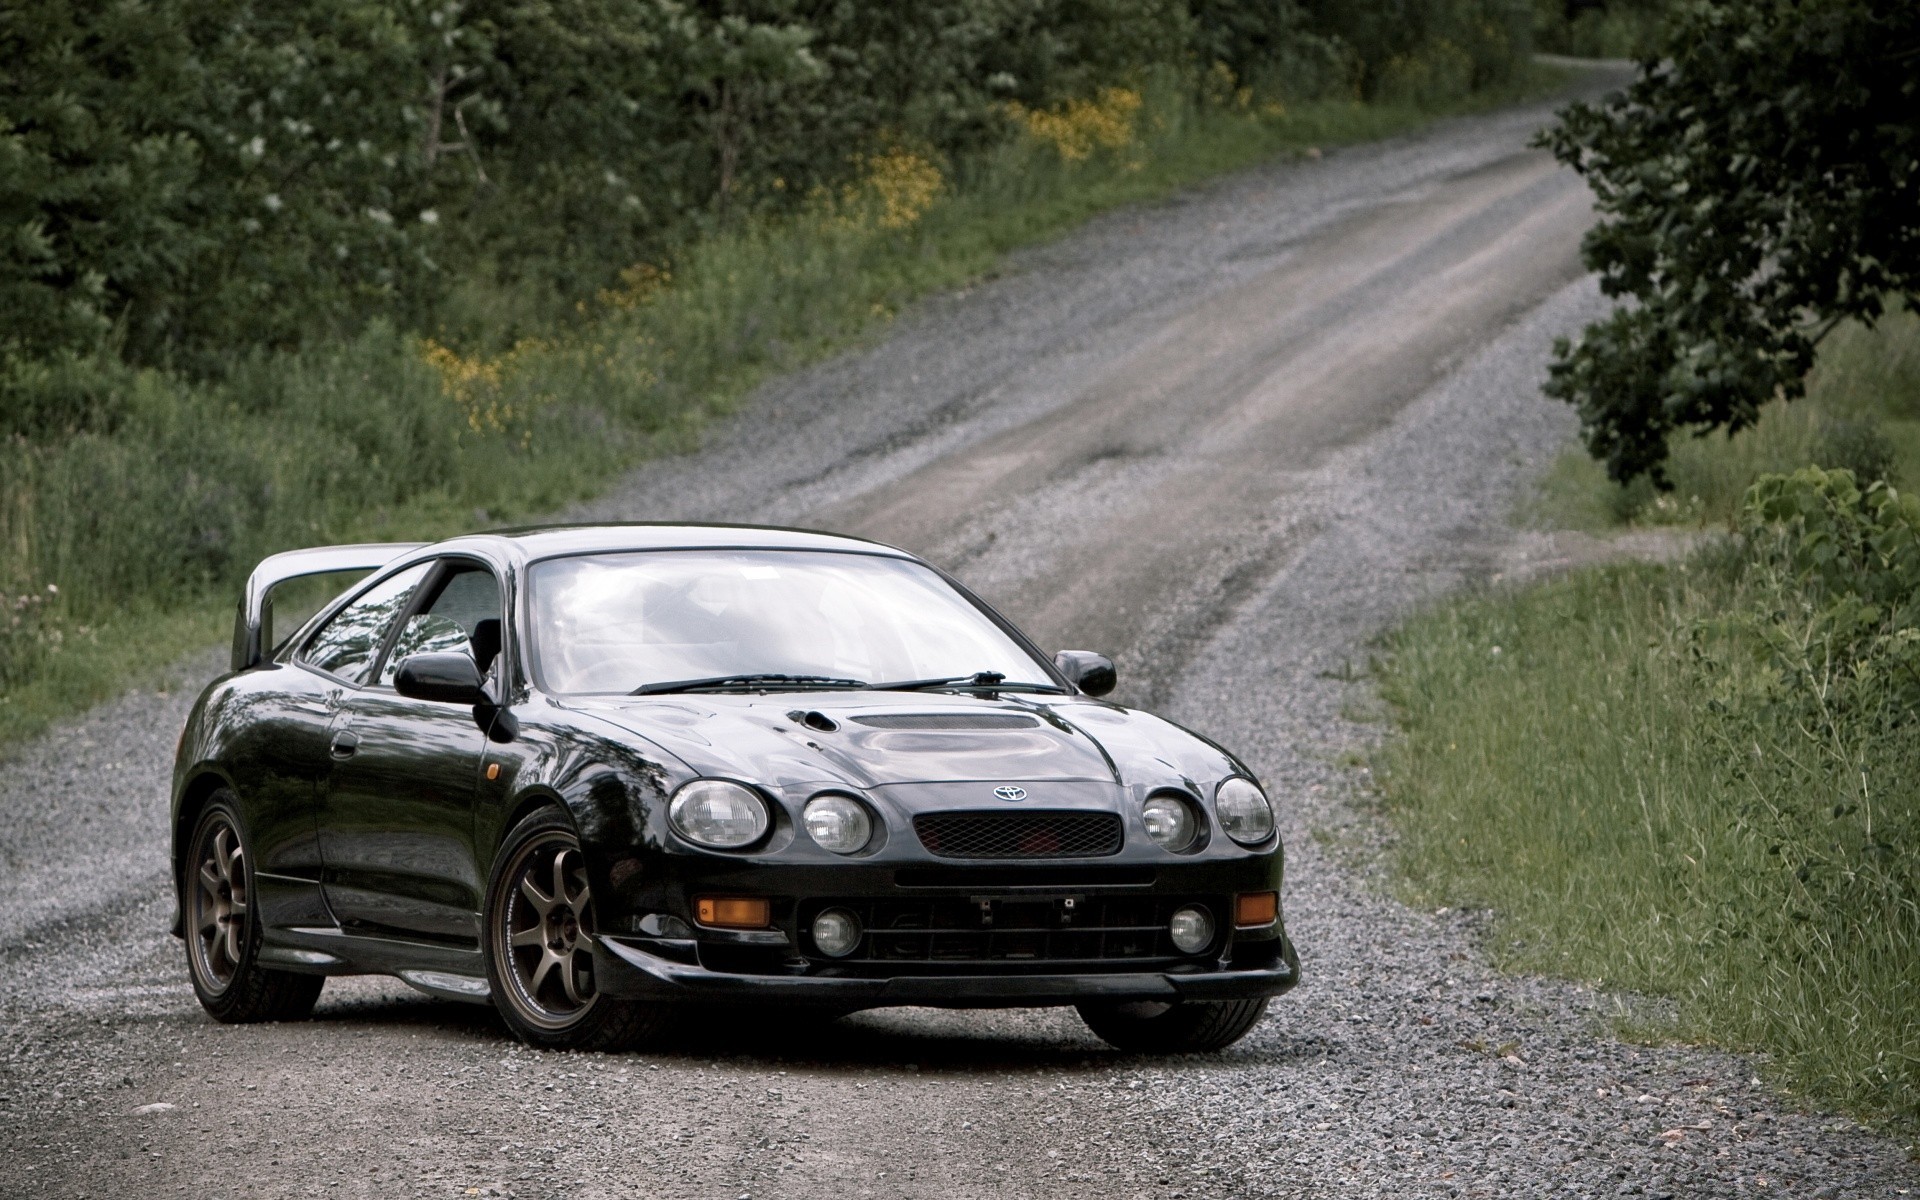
x: 590, y: 774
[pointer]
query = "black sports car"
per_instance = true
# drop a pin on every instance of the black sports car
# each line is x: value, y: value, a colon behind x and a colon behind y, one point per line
x: 589, y: 774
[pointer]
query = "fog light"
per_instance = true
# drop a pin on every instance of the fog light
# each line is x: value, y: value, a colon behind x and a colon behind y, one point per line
x: 733, y: 912
x: 1192, y: 930
x: 1255, y: 909
x: 836, y: 933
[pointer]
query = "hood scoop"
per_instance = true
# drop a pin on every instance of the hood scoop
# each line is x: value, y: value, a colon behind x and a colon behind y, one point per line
x: 971, y: 722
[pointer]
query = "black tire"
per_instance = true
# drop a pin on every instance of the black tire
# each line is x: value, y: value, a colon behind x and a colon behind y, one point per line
x: 1191, y: 1027
x: 223, y: 927
x: 538, y: 946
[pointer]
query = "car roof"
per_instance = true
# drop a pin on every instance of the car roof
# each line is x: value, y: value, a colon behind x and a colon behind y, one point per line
x: 553, y: 541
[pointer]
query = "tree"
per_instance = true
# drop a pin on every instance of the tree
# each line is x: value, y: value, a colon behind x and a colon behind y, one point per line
x: 1758, y: 187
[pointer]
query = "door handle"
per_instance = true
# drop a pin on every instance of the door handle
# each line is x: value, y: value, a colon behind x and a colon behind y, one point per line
x: 345, y: 743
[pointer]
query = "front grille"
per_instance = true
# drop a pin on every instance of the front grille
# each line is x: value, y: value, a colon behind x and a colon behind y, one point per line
x: 1019, y: 835
x: 948, y: 721
x: 952, y: 934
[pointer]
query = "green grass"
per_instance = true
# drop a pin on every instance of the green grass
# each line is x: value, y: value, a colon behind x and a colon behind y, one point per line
x: 1676, y: 780
x: 147, y: 520
x: 1861, y: 411
x: 1573, y: 759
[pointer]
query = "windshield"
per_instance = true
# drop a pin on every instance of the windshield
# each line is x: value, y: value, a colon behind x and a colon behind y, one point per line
x: 612, y: 623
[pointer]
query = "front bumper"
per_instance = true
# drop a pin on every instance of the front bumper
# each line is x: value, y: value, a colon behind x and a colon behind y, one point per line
x: 651, y: 969
x: 946, y: 933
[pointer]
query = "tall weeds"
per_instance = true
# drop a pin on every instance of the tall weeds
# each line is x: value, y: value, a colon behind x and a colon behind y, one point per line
x: 1700, y: 782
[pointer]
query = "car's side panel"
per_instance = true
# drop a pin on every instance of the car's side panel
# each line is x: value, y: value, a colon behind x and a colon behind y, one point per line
x: 396, y: 814
x: 396, y: 817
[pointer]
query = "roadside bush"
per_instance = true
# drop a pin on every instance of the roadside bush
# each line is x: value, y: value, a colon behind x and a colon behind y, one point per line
x: 1609, y: 29
x: 1700, y: 782
x: 1419, y: 49
x: 1861, y: 412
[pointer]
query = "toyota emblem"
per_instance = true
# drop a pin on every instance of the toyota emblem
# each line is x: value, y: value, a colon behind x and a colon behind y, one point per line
x: 1010, y: 793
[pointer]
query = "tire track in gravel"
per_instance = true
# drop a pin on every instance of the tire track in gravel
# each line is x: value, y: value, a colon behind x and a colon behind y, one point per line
x: 1229, y: 438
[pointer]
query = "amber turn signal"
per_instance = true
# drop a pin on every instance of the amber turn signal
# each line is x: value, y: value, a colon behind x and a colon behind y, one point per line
x: 1255, y: 909
x: 733, y: 912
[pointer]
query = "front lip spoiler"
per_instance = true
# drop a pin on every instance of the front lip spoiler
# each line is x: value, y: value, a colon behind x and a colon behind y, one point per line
x: 624, y: 969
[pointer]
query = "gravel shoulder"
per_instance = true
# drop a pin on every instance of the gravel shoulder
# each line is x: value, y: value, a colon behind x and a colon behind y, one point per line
x: 1228, y: 439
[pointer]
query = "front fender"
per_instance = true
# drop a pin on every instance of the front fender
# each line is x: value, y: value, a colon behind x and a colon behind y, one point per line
x: 612, y: 785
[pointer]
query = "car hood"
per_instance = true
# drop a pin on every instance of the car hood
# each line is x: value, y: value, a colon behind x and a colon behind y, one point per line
x: 865, y: 740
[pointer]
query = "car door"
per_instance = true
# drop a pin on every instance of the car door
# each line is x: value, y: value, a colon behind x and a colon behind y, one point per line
x: 284, y: 757
x: 396, y: 818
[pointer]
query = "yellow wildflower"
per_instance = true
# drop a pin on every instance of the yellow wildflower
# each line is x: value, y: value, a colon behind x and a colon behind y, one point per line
x: 1079, y: 127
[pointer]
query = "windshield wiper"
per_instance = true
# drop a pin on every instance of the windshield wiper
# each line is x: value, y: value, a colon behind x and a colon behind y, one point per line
x: 756, y: 679
x: 990, y: 681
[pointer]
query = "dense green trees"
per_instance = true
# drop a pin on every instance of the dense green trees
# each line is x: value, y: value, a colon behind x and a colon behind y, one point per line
x: 1759, y: 185
x: 193, y: 174
x: 184, y: 179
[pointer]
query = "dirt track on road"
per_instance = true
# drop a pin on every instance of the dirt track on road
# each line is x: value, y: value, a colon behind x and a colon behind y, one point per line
x: 1226, y: 439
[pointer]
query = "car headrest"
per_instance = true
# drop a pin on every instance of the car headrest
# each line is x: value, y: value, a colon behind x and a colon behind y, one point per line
x: 485, y: 640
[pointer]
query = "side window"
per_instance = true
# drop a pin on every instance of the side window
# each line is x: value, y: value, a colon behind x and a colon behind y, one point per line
x: 345, y: 645
x: 469, y: 598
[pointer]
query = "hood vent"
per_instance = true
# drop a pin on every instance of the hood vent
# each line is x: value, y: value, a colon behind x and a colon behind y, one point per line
x: 967, y: 721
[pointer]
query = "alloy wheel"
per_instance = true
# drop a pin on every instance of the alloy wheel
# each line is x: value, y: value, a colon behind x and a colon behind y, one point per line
x: 219, y: 906
x: 547, y: 924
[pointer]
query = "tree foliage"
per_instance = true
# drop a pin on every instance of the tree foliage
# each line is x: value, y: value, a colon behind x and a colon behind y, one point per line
x: 185, y: 180
x: 1758, y: 186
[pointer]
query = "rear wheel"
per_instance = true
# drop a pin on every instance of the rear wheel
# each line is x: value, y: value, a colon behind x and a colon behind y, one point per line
x: 223, y: 929
x: 541, y: 922
x: 1189, y: 1027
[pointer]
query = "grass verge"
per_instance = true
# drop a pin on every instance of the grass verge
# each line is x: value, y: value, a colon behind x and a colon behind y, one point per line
x: 1702, y: 781
x: 1567, y: 762
x: 120, y: 543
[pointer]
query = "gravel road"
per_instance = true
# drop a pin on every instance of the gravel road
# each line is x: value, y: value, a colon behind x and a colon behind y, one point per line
x: 1227, y: 439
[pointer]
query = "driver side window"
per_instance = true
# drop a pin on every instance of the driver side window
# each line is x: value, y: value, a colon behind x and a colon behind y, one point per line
x: 456, y: 619
x: 345, y: 646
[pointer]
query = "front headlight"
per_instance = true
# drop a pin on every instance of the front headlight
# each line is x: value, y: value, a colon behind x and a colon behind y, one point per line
x: 1244, y: 812
x: 1171, y: 821
x: 716, y: 813
x: 840, y: 823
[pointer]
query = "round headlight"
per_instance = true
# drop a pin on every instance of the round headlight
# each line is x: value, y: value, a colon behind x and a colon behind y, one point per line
x: 836, y: 933
x: 1191, y: 930
x: 713, y: 812
x: 840, y: 823
x: 1244, y: 812
x: 1170, y: 822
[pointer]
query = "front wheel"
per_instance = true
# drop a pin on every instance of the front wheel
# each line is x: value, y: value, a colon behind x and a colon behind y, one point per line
x: 1188, y: 1027
x: 223, y: 929
x: 541, y: 922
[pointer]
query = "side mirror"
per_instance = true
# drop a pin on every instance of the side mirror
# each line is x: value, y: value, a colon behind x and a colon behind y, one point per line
x: 449, y: 678
x: 1091, y: 673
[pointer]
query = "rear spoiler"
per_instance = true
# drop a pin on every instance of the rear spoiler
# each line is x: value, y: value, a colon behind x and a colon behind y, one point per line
x: 256, y: 603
